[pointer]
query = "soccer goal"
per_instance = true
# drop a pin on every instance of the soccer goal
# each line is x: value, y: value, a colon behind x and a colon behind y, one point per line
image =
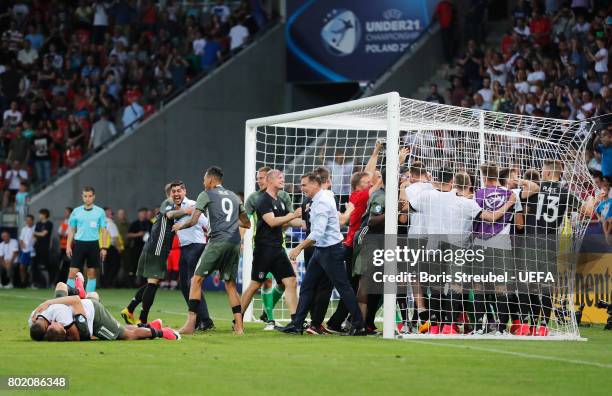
x: 441, y: 139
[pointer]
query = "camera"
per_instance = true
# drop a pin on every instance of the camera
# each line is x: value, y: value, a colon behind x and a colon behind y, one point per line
x: 606, y: 305
x: 563, y: 314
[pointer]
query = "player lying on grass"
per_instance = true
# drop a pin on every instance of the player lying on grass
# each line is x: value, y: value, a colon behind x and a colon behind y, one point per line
x: 70, y: 318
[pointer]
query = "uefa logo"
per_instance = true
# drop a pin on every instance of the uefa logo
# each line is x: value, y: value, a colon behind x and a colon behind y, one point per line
x: 341, y: 32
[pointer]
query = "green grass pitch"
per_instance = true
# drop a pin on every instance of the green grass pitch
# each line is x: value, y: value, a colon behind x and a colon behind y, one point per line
x: 219, y: 362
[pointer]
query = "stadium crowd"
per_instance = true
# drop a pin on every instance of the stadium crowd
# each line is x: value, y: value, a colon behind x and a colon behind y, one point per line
x: 553, y: 62
x: 75, y: 74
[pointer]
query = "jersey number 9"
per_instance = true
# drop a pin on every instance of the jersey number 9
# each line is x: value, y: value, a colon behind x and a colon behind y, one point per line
x: 228, y: 207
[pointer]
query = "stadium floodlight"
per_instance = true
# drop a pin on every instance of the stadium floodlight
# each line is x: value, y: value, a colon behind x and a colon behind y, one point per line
x: 439, y: 137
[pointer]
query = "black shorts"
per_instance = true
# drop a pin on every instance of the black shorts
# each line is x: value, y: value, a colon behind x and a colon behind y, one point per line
x: 85, y: 252
x: 273, y: 260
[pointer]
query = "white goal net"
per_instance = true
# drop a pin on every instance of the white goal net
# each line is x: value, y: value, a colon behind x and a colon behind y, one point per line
x: 512, y: 190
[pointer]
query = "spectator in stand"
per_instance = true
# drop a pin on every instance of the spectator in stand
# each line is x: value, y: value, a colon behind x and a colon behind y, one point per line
x: 42, y: 247
x: 603, y: 150
x: 540, y: 28
x: 479, y: 103
x: 604, y: 210
x: 238, y: 34
x: 12, y: 117
x: 100, y: 20
x: 22, y: 200
x: 211, y: 54
x: 26, y: 248
x: 12, y: 180
x: 522, y: 29
x: 177, y: 67
x: 600, y: 58
x: 75, y: 134
x: 35, y: 37
x: 91, y: 53
x: 486, y: 92
x: 27, y: 56
x: 457, y: 93
x: 12, y: 38
x: 9, y: 252
x: 434, y: 96
x: 132, y: 114
x: 471, y: 62
x: 101, y: 132
x: 41, y: 154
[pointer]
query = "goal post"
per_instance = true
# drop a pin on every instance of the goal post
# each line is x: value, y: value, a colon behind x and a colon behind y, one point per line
x: 440, y: 138
x: 390, y: 105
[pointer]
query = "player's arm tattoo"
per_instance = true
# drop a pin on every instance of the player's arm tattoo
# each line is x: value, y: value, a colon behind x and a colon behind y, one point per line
x: 243, y: 220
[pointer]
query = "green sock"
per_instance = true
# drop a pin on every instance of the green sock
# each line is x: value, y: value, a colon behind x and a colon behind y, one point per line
x: 267, y: 301
x: 398, y: 317
x: 60, y: 293
x: 277, y: 293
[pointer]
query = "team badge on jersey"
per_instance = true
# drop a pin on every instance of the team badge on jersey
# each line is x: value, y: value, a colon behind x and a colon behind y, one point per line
x: 495, y: 200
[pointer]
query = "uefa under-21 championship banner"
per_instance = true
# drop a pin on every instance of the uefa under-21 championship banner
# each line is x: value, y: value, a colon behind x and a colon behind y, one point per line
x: 350, y: 40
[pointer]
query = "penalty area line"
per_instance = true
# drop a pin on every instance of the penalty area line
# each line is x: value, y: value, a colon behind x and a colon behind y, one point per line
x: 517, y: 354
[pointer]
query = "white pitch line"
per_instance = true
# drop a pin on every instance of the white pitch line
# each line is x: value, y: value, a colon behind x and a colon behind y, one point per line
x: 519, y: 354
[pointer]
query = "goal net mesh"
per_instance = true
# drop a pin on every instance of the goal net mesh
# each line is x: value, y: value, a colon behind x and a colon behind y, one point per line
x: 538, y: 235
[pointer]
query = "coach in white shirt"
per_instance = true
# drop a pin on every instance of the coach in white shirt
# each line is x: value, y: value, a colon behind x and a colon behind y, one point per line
x: 193, y: 241
x: 9, y: 250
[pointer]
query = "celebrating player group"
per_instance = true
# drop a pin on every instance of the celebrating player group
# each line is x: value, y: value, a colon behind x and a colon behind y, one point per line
x: 534, y: 205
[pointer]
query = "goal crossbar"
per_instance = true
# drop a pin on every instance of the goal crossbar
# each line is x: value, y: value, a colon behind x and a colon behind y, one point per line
x: 391, y: 115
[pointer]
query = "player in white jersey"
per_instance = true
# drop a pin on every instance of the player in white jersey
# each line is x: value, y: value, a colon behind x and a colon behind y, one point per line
x: 419, y: 181
x: 70, y: 318
x: 452, y: 214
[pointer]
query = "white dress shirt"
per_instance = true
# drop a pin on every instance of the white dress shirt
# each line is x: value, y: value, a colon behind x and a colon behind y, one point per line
x: 324, y: 221
x: 196, y: 233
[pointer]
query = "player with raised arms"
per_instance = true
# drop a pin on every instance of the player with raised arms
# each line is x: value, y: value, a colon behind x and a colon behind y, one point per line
x: 363, y: 185
x: 226, y: 214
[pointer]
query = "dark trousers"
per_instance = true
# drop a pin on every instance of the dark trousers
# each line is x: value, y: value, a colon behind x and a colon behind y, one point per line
x: 322, y: 294
x: 112, y: 264
x: 190, y: 254
x: 327, y: 261
x: 341, y: 311
x: 40, y: 263
x: 64, y: 267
